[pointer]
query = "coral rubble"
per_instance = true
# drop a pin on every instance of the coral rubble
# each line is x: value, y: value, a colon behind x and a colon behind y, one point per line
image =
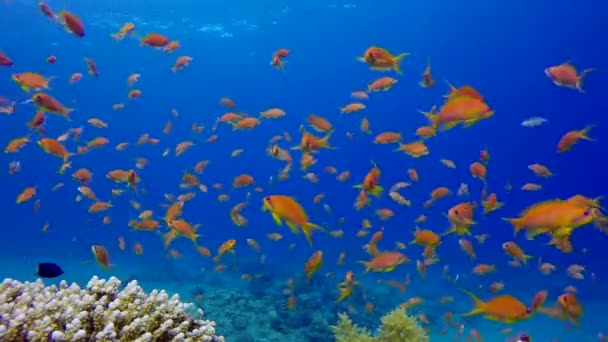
x: 101, y: 312
x: 396, y: 326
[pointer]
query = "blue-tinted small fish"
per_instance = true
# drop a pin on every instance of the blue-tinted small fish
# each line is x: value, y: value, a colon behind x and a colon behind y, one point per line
x: 48, y: 270
x: 535, y: 121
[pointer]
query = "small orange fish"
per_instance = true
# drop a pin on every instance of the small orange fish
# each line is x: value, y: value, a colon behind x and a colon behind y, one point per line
x: 514, y: 251
x: 381, y: 59
x: 566, y: 75
x: 155, y: 40
x: 72, y: 23
x: 573, y: 137
x: 385, y: 262
x: 26, y: 195
x: 427, y: 79
x: 101, y: 256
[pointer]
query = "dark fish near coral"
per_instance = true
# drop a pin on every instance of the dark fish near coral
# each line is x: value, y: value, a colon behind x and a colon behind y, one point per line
x: 48, y: 270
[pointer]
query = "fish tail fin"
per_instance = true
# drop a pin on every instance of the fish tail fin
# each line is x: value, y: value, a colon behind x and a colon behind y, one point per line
x: 397, y: 62
x: 478, y: 308
x: 585, y: 133
x: 451, y: 230
x: 518, y: 224
x: 432, y: 117
x: 308, y: 228
x: 581, y: 77
x: 526, y: 257
x: 325, y: 140
x: 67, y: 156
x: 366, y: 264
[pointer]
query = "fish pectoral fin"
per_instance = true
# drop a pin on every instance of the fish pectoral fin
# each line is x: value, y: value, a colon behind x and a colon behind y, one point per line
x: 377, y: 191
x: 563, y: 231
x: 277, y: 219
x: 471, y: 122
x: 292, y: 227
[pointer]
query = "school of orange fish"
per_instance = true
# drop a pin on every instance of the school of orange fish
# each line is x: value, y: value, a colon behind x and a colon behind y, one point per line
x: 462, y: 107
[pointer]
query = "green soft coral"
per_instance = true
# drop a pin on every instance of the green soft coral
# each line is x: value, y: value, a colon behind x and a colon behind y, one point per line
x: 396, y: 326
x: 346, y: 331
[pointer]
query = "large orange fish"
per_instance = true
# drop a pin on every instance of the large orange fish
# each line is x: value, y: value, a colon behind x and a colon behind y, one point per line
x: 557, y: 217
x: 461, y: 109
x: 285, y: 208
x: 503, y: 308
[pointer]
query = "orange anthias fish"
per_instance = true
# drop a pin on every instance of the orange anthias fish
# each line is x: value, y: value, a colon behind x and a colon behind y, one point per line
x: 567, y: 307
x: 385, y: 262
x: 54, y: 148
x: 460, y: 109
x: 312, y: 144
x: 101, y: 256
x: 31, y: 80
x: 570, y: 306
x: 5, y: 60
x: 427, y: 79
x: 573, y: 137
x: 226, y: 247
x: 557, y: 217
x: 155, y: 40
x: 49, y: 104
x: 504, y: 308
x: 461, y: 219
x: 566, y: 75
x: 126, y: 28
x: 313, y: 264
x: 72, y: 23
x: 285, y: 208
x: 347, y: 286
x: 381, y: 59
x: 371, y: 182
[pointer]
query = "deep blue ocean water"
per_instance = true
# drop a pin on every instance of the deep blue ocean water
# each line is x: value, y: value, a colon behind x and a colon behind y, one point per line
x: 501, y: 49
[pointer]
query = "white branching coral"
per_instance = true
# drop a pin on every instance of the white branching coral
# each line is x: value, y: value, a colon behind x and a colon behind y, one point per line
x: 32, y: 312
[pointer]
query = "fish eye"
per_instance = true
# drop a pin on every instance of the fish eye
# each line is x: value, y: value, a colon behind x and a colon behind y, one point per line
x: 528, y: 310
x: 267, y: 199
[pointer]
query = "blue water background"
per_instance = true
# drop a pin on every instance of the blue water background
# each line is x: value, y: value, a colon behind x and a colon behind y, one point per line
x: 501, y: 48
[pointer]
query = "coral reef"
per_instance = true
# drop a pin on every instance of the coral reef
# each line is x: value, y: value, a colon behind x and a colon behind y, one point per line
x: 100, y: 312
x: 396, y: 326
x: 347, y: 331
x: 246, y: 318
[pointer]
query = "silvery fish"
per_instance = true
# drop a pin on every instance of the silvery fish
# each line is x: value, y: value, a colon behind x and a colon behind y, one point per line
x: 534, y: 121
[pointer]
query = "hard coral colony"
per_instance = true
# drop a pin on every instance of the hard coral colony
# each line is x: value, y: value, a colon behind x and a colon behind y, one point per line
x: 335, y: 190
